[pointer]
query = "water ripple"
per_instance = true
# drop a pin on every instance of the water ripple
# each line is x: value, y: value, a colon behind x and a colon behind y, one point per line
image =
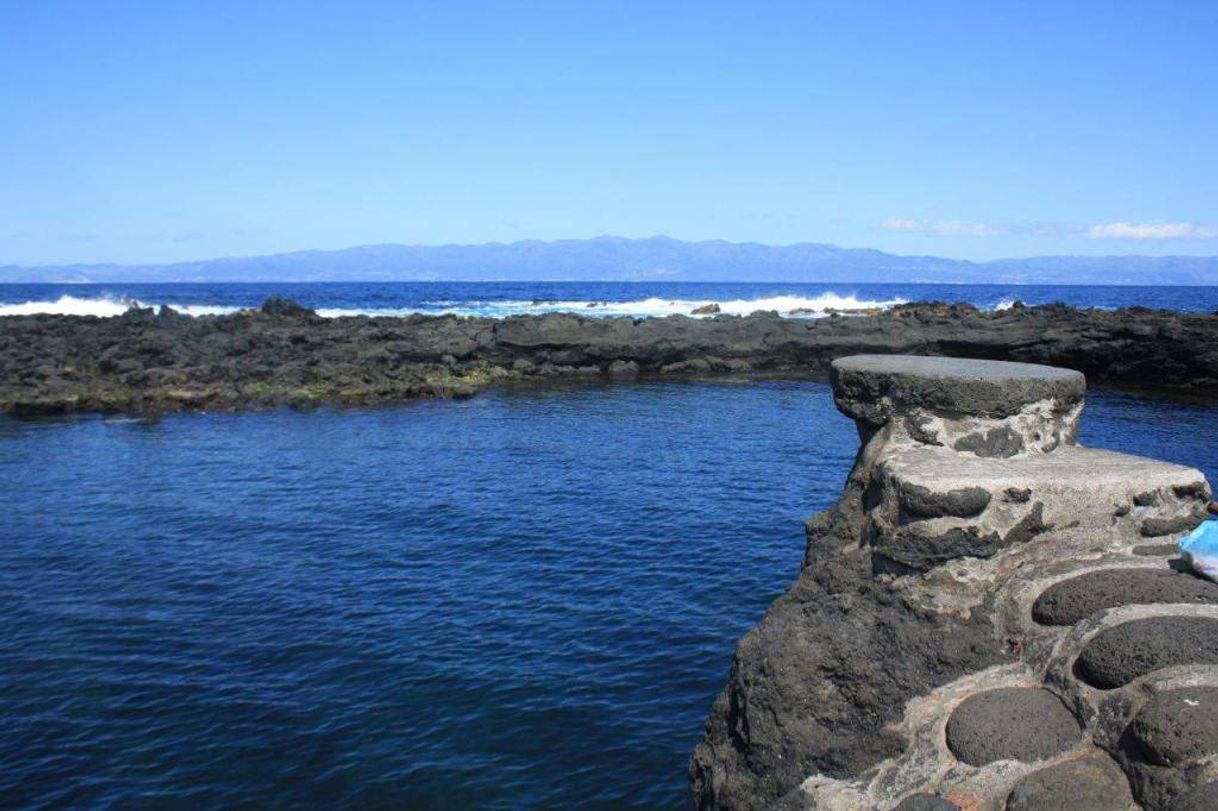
x: 525, y: 600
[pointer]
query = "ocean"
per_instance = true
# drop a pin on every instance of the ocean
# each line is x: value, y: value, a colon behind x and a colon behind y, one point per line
x: 527, y: 599
x: 637, y: 299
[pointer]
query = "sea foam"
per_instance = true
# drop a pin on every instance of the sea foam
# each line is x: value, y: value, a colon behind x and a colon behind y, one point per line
x: 103, y: 307
x: 791, y: 305
x: 795, y: 306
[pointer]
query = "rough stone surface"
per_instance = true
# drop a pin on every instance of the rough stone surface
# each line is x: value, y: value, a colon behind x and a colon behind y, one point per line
x: 872, y: 388
x: 914, y: 549
x: 1080, y: 481
x: 1092, y: 783
x: 1177, y: 726
x: 1011, y: 723
x: 1001, y: 442
x: 1202, y: 798
x: 1069, y: 601
x: 925, y: 802
x: 922, y: 502
x: 814, y: 687
x: 144, y: 362
x: 1155, y: 527
x: 1155, y: 549
x: 913, y: 611
x: 1119, y: 655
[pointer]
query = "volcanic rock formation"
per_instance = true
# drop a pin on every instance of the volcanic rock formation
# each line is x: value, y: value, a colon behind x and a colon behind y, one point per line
x: 284, y: 354
x: 987, y: 618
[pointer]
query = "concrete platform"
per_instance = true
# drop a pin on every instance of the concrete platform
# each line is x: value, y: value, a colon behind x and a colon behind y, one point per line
x: 1090, y: 494
x: 874, y: 387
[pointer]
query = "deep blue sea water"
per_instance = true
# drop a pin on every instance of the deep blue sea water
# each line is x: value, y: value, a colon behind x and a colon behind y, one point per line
x: 528, y: 599
x: 608, y: 298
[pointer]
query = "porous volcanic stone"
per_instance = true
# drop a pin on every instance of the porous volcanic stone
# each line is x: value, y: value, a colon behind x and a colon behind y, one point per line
x: 874, y: 387
x: 925, y: 802
x: 1175, y: 525
x: 1069, y: 601
x: 1203, y: 798
x: 1092, y: 783
x: 1177, y: 726
x: 1119, y: 655
x: 1010, y: 723
x: 910, y: 549
x: 999, y: 442
x: 918, y: 552
x: 1155, y: 549
x: 922, y: 502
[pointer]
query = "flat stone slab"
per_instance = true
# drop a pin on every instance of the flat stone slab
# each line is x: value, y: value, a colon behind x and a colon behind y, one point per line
x: 1072, y: 600
x: 925, y: 802
x: 1117, y: 656
x: 1088, y: 488
x: 1177, y: 727
x: 1203, y: 798
x: 1093, y: 783
x: 1069, y: 470
x: 1010, y: 723
x: 873, y: 387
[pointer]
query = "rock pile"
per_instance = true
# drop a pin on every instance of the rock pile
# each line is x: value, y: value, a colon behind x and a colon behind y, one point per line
x: 284, y: 354
x: 989, y: 618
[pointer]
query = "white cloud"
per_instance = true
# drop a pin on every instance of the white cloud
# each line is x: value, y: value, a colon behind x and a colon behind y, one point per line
x: 947, y: 228
x: 1152, y: 230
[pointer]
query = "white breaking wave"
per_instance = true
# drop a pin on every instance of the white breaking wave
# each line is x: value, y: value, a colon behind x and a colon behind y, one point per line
x: 785, y: 305
x: 68, y: 305
x: 792, y: 306
x: 105, y: 307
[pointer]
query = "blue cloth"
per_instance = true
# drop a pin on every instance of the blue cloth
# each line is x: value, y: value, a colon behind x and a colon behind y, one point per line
x: 1199, y: 549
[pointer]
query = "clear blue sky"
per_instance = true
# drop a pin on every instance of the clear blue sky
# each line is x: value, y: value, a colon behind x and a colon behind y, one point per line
x: 157, y: 131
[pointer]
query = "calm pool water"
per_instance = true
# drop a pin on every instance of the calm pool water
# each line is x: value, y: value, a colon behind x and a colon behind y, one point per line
x: 527, y: 599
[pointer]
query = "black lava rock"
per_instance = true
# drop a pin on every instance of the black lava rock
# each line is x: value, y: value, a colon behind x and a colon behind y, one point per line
x: 235, y: 361
x: 1117, y: 656
x: 1069, y: 601
x: 1093, y: 783
x: 1203, y: 798
x: 922, y: 502
x: 1155, y: 549
x: 997, y: 442
x: 1177, y: 727
x: 1010, y: 723
x: 925, y: 802
x: 1156, y: 527
x: 285, y: 308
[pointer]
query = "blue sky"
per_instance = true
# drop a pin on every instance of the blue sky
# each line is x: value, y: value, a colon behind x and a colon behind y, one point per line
x: 149, y: 132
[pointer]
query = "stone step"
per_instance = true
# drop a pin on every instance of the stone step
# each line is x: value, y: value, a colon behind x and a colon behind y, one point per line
x: 930, y: 505
x: 988, y: 408
x: 874, y: 387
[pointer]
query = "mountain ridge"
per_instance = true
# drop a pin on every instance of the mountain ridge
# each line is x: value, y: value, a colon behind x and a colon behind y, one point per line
x: 613, y: 258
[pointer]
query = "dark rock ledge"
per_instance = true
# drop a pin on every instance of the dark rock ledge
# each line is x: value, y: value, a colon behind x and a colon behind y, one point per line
x: 283, y: 354
x: 977, y: 624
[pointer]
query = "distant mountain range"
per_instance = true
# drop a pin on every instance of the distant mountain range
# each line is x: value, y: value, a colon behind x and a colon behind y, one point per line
x: 653, y: 259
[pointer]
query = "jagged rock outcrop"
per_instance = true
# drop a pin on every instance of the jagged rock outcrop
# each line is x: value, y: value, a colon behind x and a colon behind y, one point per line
x: 979, y: 622
x: 281, y: 354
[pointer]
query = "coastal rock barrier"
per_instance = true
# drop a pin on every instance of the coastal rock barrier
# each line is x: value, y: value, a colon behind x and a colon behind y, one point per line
x: 284, y: 354
x: 991, y: 616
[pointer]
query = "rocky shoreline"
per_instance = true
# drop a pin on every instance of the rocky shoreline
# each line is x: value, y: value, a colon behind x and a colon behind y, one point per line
x: 282, y: 354
x: 991, y: 617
